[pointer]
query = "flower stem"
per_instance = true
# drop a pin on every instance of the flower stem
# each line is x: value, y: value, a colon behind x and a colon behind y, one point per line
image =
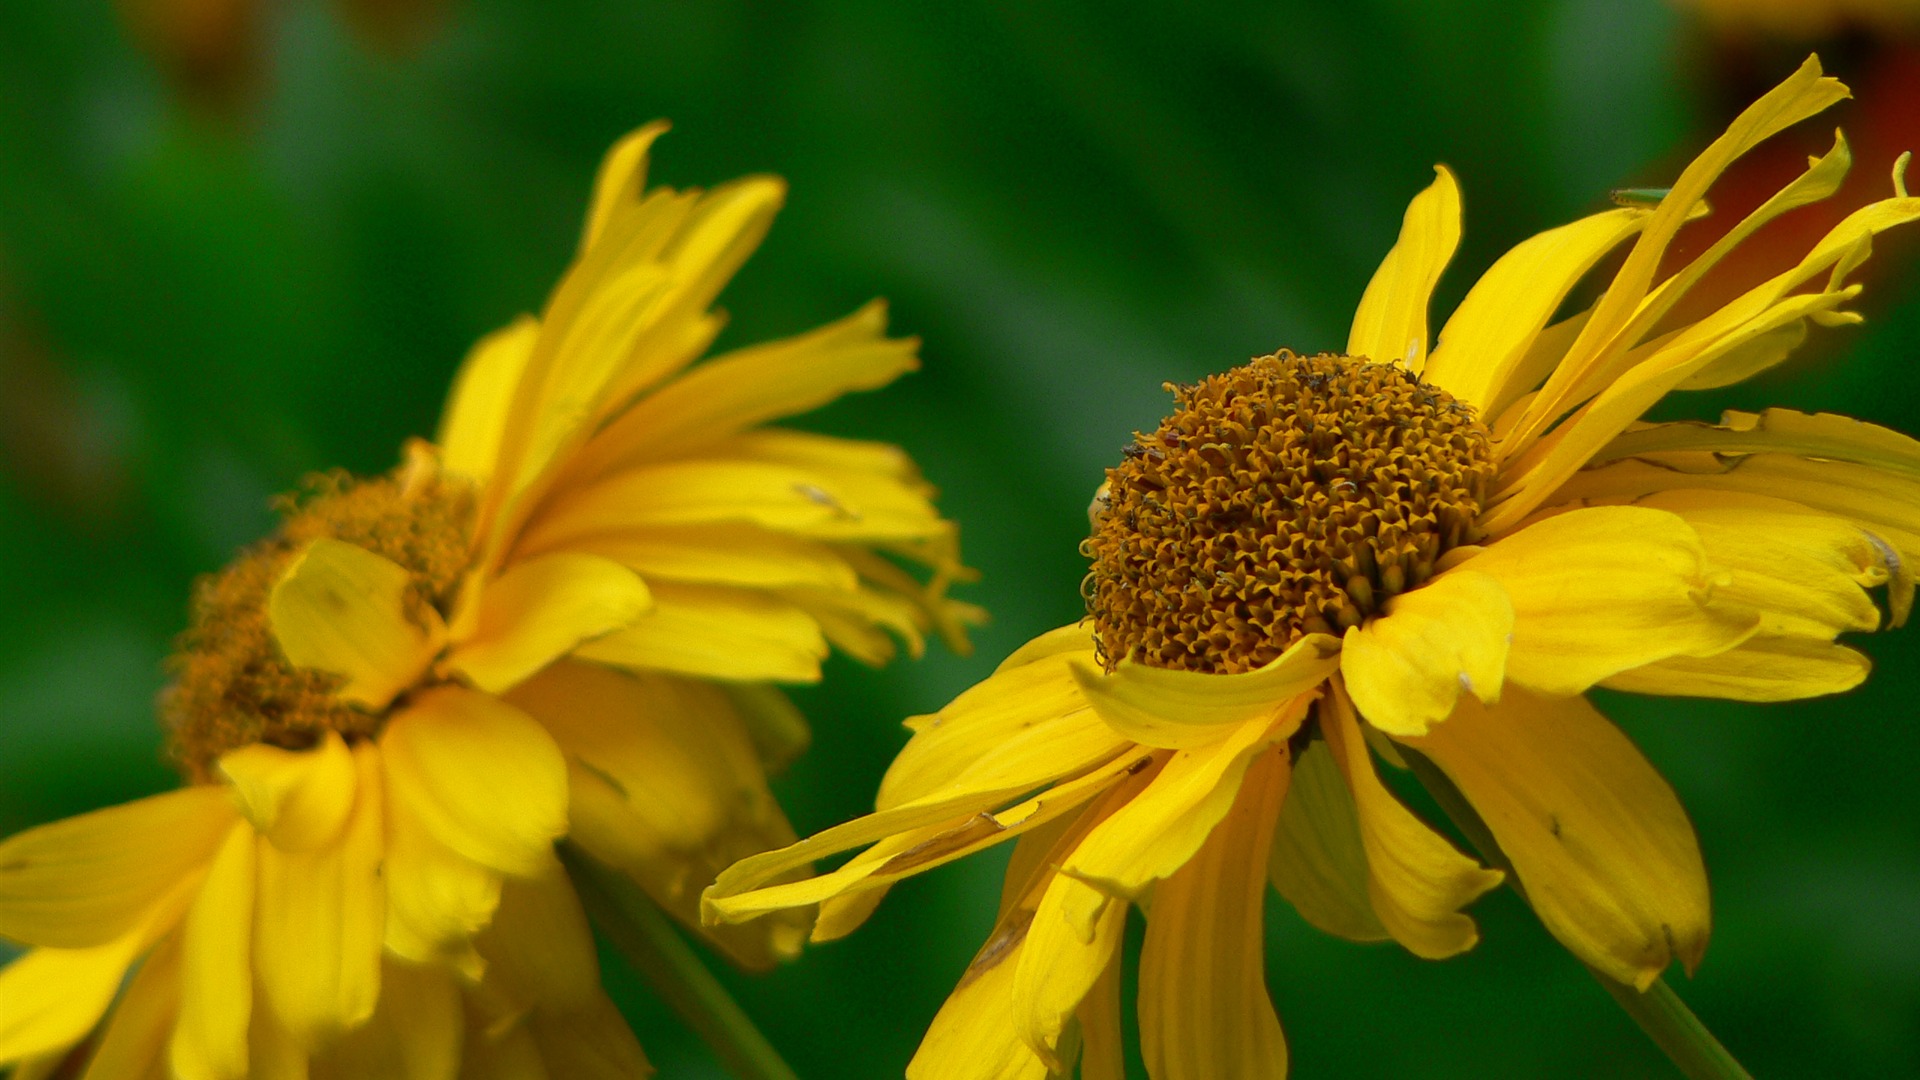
x: 1658, y: 1010
x: 649, y: 941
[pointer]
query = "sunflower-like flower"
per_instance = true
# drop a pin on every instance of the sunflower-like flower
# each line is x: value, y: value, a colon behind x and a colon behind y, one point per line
x: 563, y: 618
x: 1320, y: 561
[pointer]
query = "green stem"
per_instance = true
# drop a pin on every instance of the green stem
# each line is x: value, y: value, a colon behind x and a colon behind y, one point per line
x: 1658, y: 1010
x: 650, y: 942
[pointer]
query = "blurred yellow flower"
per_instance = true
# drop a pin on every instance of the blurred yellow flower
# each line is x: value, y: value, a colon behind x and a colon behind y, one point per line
x: 1319, y: 561
x: 562, y: 619
x: 1805, y: 20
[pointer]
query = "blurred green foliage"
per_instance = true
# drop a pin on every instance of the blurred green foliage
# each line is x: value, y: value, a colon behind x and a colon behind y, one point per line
x: 1071, y: 202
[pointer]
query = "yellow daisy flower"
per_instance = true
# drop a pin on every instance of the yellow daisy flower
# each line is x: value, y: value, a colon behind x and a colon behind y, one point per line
x: 562, y: 619
x: 1320, y: 561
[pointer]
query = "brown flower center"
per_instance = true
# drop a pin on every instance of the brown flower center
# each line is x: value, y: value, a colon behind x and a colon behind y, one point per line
x: 1289, y: 496
x: 233, y: 687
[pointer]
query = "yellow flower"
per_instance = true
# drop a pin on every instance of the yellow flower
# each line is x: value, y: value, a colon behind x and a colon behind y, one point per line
x: 1320, y: 561
x: 563, y: 619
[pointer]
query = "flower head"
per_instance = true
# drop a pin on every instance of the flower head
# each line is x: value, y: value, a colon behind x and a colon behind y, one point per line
x: 565, y: 617
x: 1405, y: 552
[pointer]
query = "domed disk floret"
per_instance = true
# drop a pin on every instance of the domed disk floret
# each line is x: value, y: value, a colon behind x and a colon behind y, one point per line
x: 1288, y: 496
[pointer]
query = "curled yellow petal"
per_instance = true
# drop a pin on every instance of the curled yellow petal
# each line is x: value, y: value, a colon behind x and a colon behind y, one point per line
x: 1390, y: 324
x: 298, y: 799
x: 1177, y: 709
x: 341, y: 609
x: 1406, y: 668
x: 540, y: 609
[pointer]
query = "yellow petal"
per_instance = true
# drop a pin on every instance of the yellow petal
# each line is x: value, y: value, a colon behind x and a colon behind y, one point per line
x: 718, y: 633
x: 1067, y: 948
x: 1390, y: 325
x: 665, y: 786
x: 1604, y: 589
x: 1039, y: 700
x: 415, y: 1034
x: 539, y: 950
x: 588, y: 1042
x: 297, y: 799
x: 724, y: 554
x: 134, y: 1043
x: 484, y: 778
x: 1160, y: 829
x: 1761, y: 668
x: 216, y: 976
x: 1803, y: 94
x: 89, y: 879
x: 974, y: 1033
x: 1103, y: 1053
x: 750, y: 386
x: 483, y: 392
x: 809, y: 501
x: 1883, y: 503
x: 1821, y: 435
x: 1406, y: 668
x: 341, y: 609
x: 1180, y: 709
x: 1417, y: 881
x: 1204, y: 1009
x: 319, y: 920
x: 1482, y: 344
x: 1074, y: 637
x: 540, y: 609
x: 1605, y: 852
x: 55, y: 996
x: 437, y: 899
x: 621, y: 179
x: 1318, y: 861
x: 1806, y: 573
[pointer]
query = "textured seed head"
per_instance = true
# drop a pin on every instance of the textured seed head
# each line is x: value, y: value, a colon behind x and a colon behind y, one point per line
x: 232, y: 685
x: 1288, y: 496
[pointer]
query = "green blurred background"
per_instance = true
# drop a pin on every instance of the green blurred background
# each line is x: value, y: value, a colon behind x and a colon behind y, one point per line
x: 232, y: 253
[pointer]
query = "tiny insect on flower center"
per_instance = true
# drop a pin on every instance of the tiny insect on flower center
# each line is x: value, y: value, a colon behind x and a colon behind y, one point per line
x: 1288, y: 496
x: 233, y: 686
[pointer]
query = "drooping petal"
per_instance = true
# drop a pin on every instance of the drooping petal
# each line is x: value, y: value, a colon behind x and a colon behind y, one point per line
x: 134, y: 1042
x: 1318, y: 861
x: 437, y: 898
x: 341, y: 609
x: 539, y: 950
x: 1204, y: 1009
x: 483, y: 777
x: 1484, y: 341
x: 1042, y: 694
x: 415, y: 1034
x: 1604, y: 589
x: 1418, y: 883
x: 666, y: 787
x: 89, y: 879
x: 718, y: 633
x: 319, y: 921
x: 1390, y: 325
x: 1157, y: 831
x: 298, y: 799
x: 216, y: 974
x: 55, y: 996
x: 1598, y: 839
x: 1072, y: 939
x: 975, y: 1036
x: 1405, y: 668
x: 540, y: 609
x: 1181, y: 709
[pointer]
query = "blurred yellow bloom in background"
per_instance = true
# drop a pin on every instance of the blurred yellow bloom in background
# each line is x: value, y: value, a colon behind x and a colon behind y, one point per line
x: 1319, y: 562
x: 562, y: 619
